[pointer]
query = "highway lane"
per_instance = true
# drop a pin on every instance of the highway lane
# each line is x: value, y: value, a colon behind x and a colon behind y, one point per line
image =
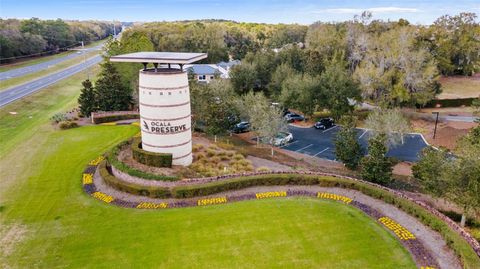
x: 9, y: 95
x: 18, y: 72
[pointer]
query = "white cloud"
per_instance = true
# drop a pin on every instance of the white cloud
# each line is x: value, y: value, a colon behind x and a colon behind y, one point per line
x: 373, y: 10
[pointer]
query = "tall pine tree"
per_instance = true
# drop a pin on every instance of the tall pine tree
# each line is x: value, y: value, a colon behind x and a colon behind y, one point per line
x: 86, y: 100
x: 376, y: 167
x: 112, y: 94
x: 347, y: 148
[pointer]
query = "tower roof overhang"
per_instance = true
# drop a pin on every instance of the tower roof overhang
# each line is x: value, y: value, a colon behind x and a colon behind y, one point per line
x: 160, y: 57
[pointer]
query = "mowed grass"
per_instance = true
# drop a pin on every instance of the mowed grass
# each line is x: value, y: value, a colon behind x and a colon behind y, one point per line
x: 34, y: 111
x: 63, y: 227
x: 460, y: 87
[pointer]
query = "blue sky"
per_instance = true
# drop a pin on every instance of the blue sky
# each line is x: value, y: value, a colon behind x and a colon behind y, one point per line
x: 279, y: 11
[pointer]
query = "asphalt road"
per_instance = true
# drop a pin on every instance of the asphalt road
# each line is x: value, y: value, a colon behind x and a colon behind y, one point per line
x: 17, y: 92
x: 18, y: 72
x: 319, y: 143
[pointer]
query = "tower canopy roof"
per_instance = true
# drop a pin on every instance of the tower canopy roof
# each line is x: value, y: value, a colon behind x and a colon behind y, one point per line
x: 159, y: 57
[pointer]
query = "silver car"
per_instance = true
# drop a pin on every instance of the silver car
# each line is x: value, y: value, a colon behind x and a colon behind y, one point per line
x: 282, y: 138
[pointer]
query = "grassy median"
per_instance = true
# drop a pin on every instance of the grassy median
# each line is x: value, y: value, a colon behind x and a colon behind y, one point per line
x: 54, y: 68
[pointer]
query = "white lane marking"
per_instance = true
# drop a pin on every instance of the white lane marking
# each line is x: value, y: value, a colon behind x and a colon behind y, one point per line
x: 304, y: 148
x: 364, y: 132
x: 288, y: 144
x: 321, y: 152
x: 330, y: 129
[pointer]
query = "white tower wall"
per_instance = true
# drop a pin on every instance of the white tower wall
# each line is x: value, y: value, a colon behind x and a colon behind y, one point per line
x: 165, y: 114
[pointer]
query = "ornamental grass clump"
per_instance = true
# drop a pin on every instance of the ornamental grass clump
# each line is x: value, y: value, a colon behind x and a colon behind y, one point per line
x: 262, y: 169
x: 211, y: 152
x: 197, y: 148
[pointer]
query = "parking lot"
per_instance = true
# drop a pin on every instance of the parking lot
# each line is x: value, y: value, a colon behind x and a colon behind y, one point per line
x: 319, y: 143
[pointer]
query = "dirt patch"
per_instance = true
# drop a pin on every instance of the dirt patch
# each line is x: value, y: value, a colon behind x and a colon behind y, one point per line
x: 10, y: 236
x: 272, y: 166
x: 447, y: 134
x: 403, y: 168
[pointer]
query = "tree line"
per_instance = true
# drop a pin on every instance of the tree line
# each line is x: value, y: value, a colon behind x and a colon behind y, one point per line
x: 34, y: 36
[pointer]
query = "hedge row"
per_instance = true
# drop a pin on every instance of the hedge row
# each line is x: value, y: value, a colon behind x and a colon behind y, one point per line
x: 450, y: 102
x: 453, y: 239
x: 112, y: 157
x: 115, y: 117
x: 154, y: 192
x: 150, y: 158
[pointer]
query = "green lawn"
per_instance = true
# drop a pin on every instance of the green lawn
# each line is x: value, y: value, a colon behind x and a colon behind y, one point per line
x: 63, y: 227
x: 47, y: 221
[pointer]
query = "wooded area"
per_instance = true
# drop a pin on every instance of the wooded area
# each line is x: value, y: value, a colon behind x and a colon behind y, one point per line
x: 393, y: 63
x: 20, y: 38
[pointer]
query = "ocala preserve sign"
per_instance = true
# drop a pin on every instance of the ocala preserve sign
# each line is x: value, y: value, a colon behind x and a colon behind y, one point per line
x: 159, y: 127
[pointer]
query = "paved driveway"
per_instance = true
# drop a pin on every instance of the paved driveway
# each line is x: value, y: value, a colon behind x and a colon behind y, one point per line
x: 319, y: 143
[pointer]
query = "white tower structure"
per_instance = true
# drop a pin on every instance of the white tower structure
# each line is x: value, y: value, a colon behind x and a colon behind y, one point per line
x: 164, y: 101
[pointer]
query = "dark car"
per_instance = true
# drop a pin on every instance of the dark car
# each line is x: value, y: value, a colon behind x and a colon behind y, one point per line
x: 324, y: 123
x: 241, y: 127
x: 294, y: 117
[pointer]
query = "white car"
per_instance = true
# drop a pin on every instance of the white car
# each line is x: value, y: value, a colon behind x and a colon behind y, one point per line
x: 282, y: 138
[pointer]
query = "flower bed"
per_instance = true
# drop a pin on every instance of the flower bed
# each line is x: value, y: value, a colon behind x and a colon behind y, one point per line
x: 148, y: 205
x: 87, y: 179
x: 97, y: 160
x: 103, y: 197
x: 398, y: 229
x: 212, y: 201
x: 333, y: 196
x: 270, y: 194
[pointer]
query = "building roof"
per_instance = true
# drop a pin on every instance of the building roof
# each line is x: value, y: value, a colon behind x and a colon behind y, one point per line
x: 159, y: 57
x: 203, y: 69
x: 226, y: 65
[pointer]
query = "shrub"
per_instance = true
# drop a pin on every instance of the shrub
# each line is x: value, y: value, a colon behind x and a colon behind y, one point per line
x: 238, y: 157
x: 211, y: 152
x: 96, y: 119
x: 263, y: 169
x: 67, y: 125
x: 199, y: 156
x: 154, y: 192
x: 112, y: 157
x: 224, y: 157
x: 215, y: 160
x: 58, y: 117
x: 225, y: 146
x: 197, y: 147
x: 150, y: 158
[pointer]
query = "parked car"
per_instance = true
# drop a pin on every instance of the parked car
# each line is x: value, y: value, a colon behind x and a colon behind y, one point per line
x: 282, y: 138
x: 294, y: 117
x: 241, y: 127
x: 324, y: 123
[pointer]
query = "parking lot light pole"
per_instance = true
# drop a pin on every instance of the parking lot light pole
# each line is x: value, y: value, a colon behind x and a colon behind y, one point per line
x: 436, y: 122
